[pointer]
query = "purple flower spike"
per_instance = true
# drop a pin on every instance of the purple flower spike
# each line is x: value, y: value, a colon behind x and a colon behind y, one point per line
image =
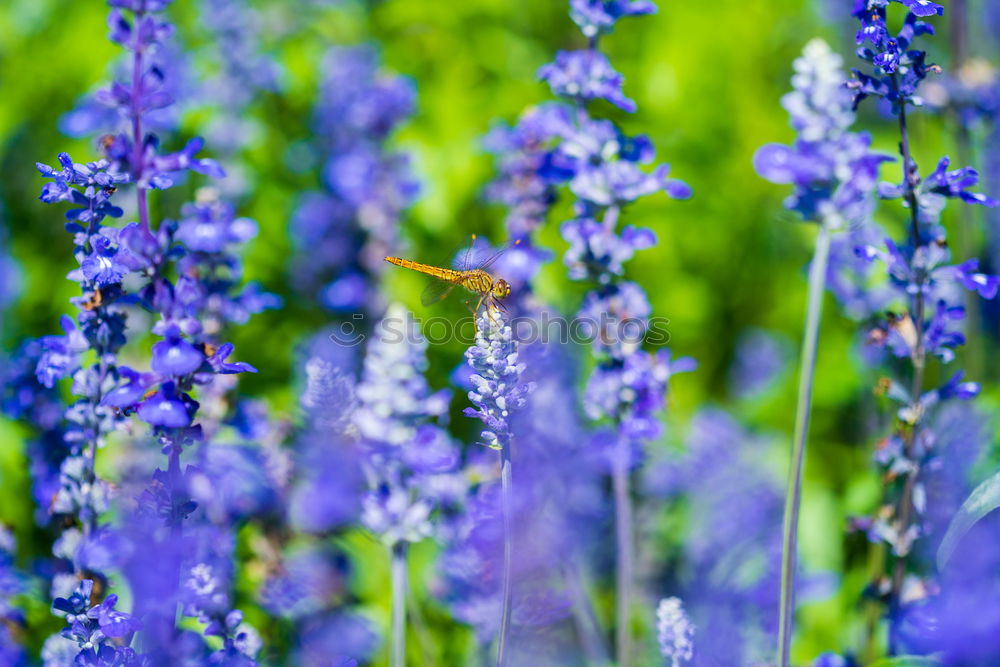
x: 598, y: 17
x: 586, y: 75
x: 497, y: 387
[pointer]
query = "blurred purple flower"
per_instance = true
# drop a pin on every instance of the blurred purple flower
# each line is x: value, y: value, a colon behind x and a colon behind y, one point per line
x: 584, y: 76
x: 597, y: 17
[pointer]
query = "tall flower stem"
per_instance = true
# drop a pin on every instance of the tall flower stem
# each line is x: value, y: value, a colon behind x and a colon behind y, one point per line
x: 918, y: 359
x: 506, y: 502
x: 399, y: 587
x: 625, y: 553
x: 793, y: 497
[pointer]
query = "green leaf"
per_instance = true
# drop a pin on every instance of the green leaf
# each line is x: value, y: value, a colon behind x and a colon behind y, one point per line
x: 907, y: 661
x: 983, y: 500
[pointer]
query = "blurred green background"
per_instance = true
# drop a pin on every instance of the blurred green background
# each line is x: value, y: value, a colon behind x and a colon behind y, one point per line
x: 707, y: 77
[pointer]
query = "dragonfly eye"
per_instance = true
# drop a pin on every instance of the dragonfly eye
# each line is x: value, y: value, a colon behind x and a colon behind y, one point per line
x: 501, y: 289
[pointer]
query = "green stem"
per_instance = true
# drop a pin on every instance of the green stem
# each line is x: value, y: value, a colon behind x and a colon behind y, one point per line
x: 398, y: 574
x: 793, y: 497
x: 918, y: 358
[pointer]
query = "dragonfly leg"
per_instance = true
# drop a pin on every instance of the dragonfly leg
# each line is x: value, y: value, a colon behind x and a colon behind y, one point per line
x: 479, y: 304
x: 493, y: 309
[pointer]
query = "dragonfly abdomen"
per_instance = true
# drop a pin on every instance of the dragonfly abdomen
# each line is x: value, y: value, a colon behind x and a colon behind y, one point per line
x: 448, y: 275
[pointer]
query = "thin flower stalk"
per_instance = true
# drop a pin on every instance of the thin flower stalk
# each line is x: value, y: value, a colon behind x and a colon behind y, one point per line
x: 834, y: 175
x: 803, y: 407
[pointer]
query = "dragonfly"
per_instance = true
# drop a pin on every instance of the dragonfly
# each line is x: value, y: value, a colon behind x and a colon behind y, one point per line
x: 472, y: 276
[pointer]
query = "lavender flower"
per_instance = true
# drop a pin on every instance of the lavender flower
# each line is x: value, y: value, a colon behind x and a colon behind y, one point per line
x: 10, y: 275
x: 497, y: 392
x: 367, y: 186
x: 674, y: 632
x: 897, y: 69
x: 834, y: 176
x: 243, y: 73
x: 193, y: 308
x: 833, y: 170
x: 928, y: 290
x: 329, y: 485
x: 94, y: 626
x: 730, y: 578
x: 523, y: 155
x: 307, y: 582
x: 497, y: 389
x: 603, y: 169
x: 584, y: 76
x: 404, y: 450
x: 596, y: 17
x: 12, y: 583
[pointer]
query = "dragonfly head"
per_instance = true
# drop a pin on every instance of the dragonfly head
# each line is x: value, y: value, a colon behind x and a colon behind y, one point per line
x: 501, y: 289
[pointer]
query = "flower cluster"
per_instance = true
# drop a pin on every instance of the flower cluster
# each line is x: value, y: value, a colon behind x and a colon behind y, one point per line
x: 735, y: 506
x: 307, y: 584
x: 405, y: 452
x: 603, y: 169
x: 897, y: 69
x: 241, y: 73
x: 344, y: 232
x: 833, y: 170
x: 674, y: 632
x: 497, y: 388
x: 606, y: 170
x: 526, y: 187
x: 95, y: 627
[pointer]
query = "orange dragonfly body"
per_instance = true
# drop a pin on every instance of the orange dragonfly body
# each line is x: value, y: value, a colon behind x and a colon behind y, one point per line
x: 476, y: 280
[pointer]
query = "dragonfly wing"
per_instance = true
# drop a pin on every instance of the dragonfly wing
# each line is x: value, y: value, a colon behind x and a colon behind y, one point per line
x: 435, y: 291
x: 498, y: 254
x: 465, y: 258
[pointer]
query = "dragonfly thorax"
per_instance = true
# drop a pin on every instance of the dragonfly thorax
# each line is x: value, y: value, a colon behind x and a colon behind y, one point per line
x: 478, y: 281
